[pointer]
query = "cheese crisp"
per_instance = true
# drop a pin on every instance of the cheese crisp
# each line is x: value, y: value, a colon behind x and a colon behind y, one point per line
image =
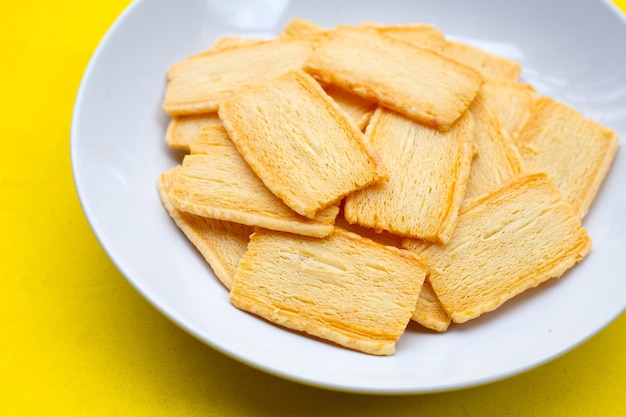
x: 299, y: 142
x: 343, y: 288
x: 415, y: 82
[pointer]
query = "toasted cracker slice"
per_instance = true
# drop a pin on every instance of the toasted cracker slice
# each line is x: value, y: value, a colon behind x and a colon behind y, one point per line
x: 216, y: 182
x: 221, y: 243
x: 505, y: 242
x: 511, y: 102
x: 422, y: 35
x: 358, y: 109
x: 299, y: 142
x: 427, y: 172
x: 429, y: 312
x: 200, y: 84
x: 576, y: 153
x: 489, y: 65
x: 343, y: 288
x: 183, y: 130
x: 418, y: 83
x: 496, y: 161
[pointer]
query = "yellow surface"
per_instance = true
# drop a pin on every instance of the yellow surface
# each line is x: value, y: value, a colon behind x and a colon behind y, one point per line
x: 76, y: 339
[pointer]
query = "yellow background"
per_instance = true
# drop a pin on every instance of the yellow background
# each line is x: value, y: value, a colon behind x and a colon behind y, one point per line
x: 76, y: 339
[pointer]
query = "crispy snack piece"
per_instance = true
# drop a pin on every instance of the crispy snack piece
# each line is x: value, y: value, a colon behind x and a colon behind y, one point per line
x: 511, y: 102
x: 490, y: 66
x: 422, y: 35
x: 505, y: 242
x: 429, y: 312
x: 427, y: 172
x: 182, y: 130
x: 418, y: 83
x: 496, y: 161
x: 343, y: 288
x: 221, y: 243
x: 216, y: 182
x: 299, y: 142
x: 576, y: 153
x: 199, y: 84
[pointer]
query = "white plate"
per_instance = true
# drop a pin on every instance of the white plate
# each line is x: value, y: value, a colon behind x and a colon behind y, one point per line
x: 575, y: 53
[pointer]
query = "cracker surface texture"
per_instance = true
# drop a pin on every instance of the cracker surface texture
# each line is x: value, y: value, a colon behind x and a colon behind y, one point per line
x: 497, y: 161
x: 415, y: 82
x: 199, y: 84
x: 428, y: 171
x: 299, y: 142
x: 343, y: 288
x: 505, y: 242
x: 216, y: 182
x: 575, y: 152
x: 512, y: 103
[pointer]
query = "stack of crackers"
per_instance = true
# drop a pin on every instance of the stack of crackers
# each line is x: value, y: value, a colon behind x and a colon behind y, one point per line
x: 343, y: 182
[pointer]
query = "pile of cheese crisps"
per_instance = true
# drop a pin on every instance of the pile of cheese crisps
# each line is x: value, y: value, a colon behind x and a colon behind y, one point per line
x: 342, y: 182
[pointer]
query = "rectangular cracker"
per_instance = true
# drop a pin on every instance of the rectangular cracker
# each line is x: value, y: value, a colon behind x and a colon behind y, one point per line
x: 415, y: 82
x: 199, y: 84
x: 427, y: 170
x: 215, y: 182
x: 182, y: 130
x: 489, y: 65
x: 299, y: 142
x: 575, y: 152
x: 505, y: 242
x: 428, y: 311
x: 221, y: 243
x: 343, y: 288
x: 511, y: 102
x: 496, y: 161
